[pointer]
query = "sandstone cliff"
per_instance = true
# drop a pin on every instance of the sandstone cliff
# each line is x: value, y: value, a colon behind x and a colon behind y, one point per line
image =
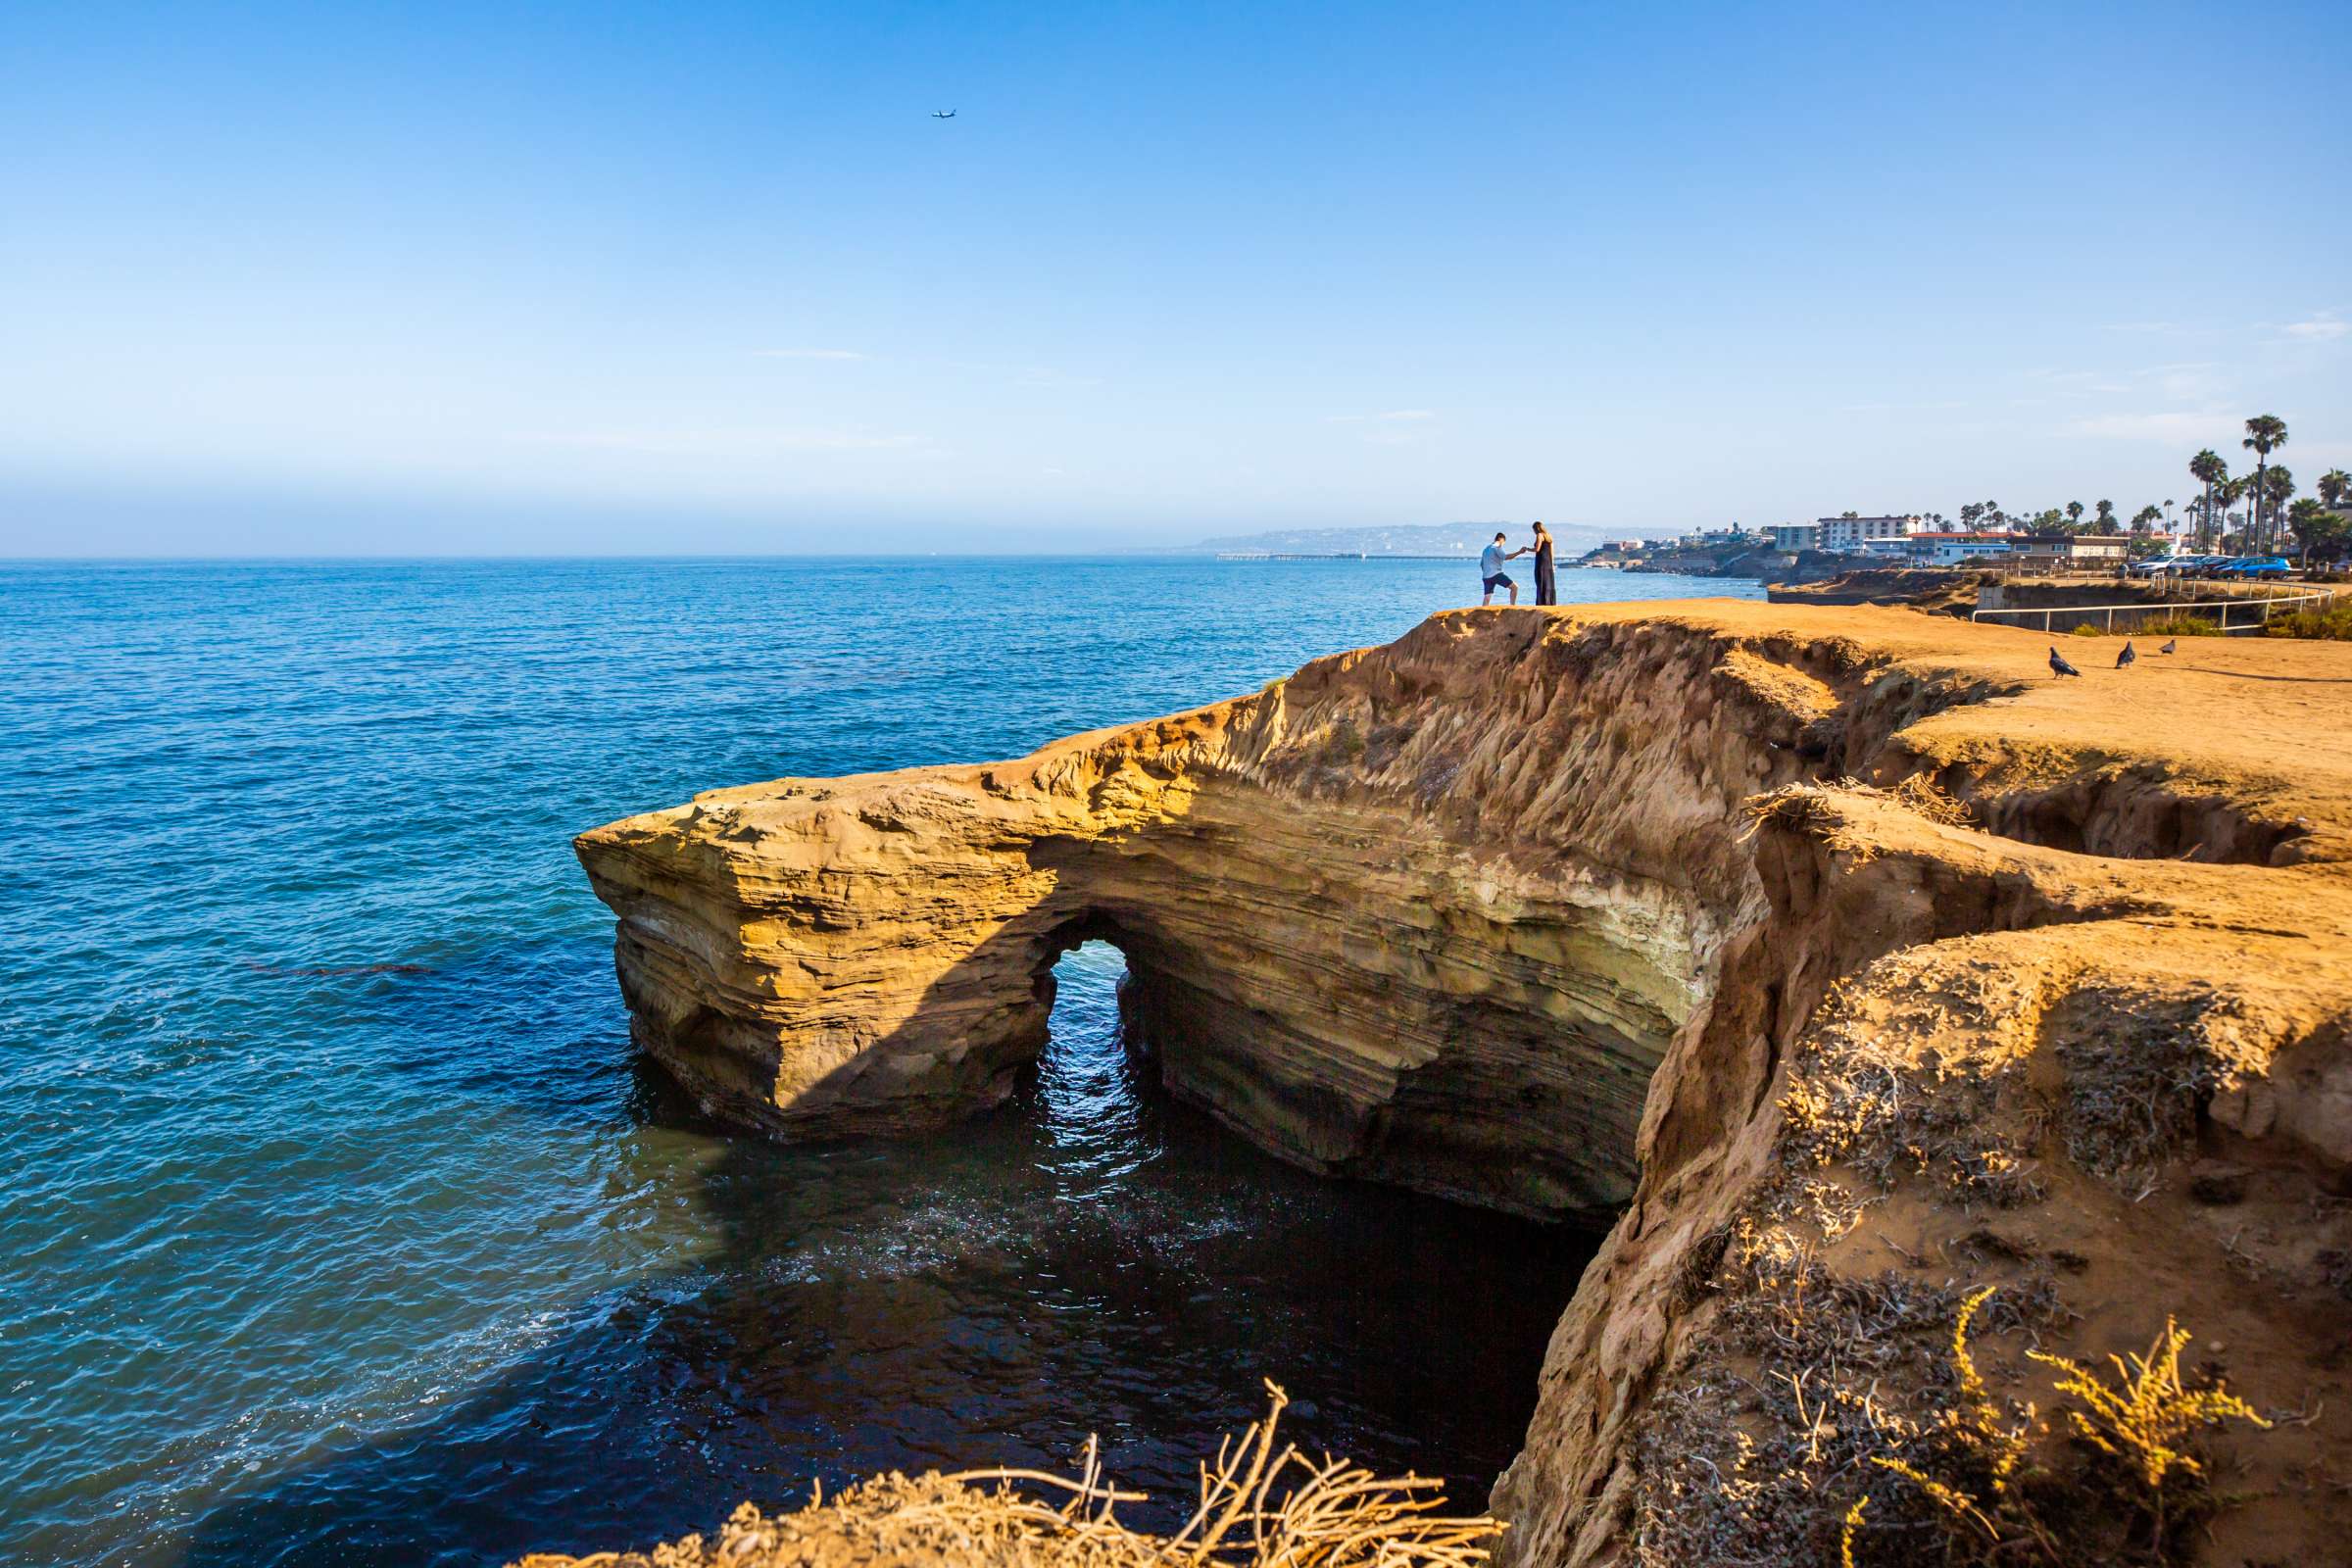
x: 1842, y: 957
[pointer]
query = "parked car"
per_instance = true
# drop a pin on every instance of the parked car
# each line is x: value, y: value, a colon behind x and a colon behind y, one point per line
x: 2258, y: 566
x: 2190, y: 565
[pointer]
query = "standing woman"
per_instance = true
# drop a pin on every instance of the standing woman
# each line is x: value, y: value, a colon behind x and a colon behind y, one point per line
x: 1545, y: 592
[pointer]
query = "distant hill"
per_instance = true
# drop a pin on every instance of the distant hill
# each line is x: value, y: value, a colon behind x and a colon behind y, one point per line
x: 1416, y: 539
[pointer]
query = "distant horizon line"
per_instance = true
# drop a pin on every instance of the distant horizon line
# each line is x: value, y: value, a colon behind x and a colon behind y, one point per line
x: 1173, y: 552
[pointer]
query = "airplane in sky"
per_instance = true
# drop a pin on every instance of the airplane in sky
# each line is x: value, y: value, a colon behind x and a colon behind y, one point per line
x: 942, y: 114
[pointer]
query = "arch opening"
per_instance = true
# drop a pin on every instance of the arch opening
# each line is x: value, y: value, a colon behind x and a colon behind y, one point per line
x: 1091, y: 1083
x: 1225, y: 1263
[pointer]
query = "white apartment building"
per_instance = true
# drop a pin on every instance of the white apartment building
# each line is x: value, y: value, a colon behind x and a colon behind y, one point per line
x: 1792, y: 537
x: 1852, y: 535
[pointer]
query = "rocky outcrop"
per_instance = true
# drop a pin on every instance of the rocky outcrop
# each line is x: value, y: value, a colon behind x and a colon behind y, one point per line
x: 1831, y: 952
x: 1374, y: 916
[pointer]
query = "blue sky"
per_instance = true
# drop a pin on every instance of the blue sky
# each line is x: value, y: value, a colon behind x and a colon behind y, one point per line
x: 411, y: 279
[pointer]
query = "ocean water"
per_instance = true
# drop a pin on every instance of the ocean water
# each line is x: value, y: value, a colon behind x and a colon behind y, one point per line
x: 339, y: 1224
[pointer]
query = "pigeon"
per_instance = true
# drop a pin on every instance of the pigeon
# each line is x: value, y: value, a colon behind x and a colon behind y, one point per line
x: 2059, y: 666
x: 2127, y: 655
x: 2170, y: 646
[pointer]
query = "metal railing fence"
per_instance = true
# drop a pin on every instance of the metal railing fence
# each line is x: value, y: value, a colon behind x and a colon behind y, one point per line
x: 2163, y: 610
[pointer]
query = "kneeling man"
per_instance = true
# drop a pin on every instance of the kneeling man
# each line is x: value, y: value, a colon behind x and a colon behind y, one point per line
x: 1490, y: 570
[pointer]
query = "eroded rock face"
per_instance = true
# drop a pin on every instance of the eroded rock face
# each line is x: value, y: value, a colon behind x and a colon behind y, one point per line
x: 1431, y: 915
x: 1617, y: 912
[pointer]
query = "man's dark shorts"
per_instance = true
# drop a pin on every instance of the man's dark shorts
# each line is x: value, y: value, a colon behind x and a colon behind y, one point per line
x: 1500, y: 580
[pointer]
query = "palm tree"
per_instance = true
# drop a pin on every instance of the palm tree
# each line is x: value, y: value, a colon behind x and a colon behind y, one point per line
x: 2276, y: 489
x: 2322, y: 530
x: 2105, y: 520
x: 2073, y: 516
x: 2335, y: 489
x: 2208, y: 470
x: 2144, y: 516
x: 2266, y: 434
x: 2231, y: 493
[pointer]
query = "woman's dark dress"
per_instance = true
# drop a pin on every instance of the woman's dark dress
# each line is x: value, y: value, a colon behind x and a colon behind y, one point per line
x: 1546, y: 593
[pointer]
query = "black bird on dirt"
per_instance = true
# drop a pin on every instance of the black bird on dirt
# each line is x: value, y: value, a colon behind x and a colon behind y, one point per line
x: 2059, y: 666
x: 2171, y: 646
x: 2127, y: 656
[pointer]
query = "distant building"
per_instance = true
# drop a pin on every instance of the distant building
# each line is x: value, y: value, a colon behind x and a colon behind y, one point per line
x: 1712, y: 539
x: 1959, y: 549
x: 1792, y: 537
x: 1849, y: 535
x: 1622, y: 546
x: 1942, y: 548
x: 2054, y: 551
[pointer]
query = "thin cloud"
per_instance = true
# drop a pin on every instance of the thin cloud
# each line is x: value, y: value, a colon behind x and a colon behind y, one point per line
x: 2326, y: 327
x: 2195, y: 382
x: 808, y: 354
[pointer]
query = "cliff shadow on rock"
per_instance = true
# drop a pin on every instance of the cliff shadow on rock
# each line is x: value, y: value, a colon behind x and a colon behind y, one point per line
x: 1464, y: 1090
